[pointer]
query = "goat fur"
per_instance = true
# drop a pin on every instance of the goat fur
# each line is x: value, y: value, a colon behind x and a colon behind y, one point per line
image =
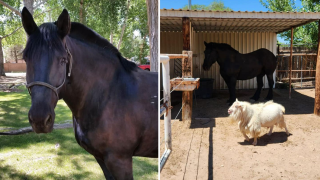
x: 251, y: 117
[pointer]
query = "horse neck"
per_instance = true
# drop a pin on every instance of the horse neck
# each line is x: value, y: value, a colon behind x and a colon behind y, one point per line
x: 224, y: 54
x: 220, y: 58
x: 91, y: 69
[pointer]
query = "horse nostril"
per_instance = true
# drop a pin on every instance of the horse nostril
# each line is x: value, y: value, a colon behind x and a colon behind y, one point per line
x: 47, y: 122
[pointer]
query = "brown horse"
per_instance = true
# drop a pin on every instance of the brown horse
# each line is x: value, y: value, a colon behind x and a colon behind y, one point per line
x: 236, y: 66
x: 114, y: 103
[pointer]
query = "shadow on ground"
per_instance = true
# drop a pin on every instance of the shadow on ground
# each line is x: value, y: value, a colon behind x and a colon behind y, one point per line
x: 217, y: 106
x: 274, y: 138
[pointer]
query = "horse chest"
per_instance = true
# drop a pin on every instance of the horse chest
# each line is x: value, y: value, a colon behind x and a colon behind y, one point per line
x: 82, y: 138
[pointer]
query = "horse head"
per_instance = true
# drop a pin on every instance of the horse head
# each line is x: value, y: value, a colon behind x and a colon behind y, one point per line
x: 210, y: 56
x: 47, y: 58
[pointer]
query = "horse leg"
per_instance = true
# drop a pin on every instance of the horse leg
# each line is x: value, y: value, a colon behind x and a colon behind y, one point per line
x: 119, y: 165
x: 271, y: 82
x: 227, y: 81
x: 232, y: 90
x: 106, y: 172
x: 256, y: 95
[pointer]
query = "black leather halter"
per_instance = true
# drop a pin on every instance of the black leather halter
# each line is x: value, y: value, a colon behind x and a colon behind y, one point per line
x: 54, y: 89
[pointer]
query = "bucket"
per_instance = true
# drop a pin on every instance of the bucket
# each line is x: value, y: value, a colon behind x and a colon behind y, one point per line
x: 205, y: 90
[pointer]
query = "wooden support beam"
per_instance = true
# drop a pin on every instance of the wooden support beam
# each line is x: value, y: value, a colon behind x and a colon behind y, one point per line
x: 290, y: 62
x: 187, y: 65
x: 186, y: 33
x: 187, y: 96
x: 317, y: 88
x: 187, y: 99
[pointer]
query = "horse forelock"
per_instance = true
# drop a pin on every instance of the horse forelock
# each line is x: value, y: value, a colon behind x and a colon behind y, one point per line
x: 80, y: 32
x: 46, y: 37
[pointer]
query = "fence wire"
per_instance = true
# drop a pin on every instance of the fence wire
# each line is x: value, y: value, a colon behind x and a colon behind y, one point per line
x: 173, y: 122
x: 173, y: 89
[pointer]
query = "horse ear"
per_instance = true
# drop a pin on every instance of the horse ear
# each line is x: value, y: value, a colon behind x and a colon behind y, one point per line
x: 28, y: 23
x: 205, y: 43
x: 63, y: 23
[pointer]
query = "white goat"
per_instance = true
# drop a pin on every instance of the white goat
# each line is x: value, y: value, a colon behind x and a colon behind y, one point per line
x: 251, y: 117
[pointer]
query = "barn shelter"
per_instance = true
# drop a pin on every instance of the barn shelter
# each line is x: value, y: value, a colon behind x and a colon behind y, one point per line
x: 245, y: 31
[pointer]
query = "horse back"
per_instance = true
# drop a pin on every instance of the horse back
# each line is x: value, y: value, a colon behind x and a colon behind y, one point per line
x: 247, y: 66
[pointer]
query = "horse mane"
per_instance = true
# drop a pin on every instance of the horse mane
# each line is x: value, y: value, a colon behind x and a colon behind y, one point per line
x: 85, y: 34
x: 222, y: 46
x: 46, y: 36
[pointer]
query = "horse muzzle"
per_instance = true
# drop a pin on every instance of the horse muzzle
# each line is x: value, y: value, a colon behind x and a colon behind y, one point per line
x: 41, y: 122
x: 205, y: 67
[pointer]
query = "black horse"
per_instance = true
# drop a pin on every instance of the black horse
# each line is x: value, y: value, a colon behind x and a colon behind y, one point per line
x: 236, y: 66
x: 114, y: 103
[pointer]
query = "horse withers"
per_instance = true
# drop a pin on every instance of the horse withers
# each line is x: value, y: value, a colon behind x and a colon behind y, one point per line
x: 114, y: 103
x: 236, y: 66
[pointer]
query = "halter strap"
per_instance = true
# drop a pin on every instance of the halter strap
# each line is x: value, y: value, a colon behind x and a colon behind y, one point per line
x: 54, y: 89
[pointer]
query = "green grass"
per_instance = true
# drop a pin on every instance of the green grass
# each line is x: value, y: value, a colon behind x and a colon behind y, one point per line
x: 14, y: 109
x: 35, y: 156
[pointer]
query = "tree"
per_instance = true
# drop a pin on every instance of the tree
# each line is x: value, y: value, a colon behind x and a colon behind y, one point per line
x: 116, y: 19
x: 307, y: 34
x: 214, y: 6
x: 152, y: 7
x: 10, y: 27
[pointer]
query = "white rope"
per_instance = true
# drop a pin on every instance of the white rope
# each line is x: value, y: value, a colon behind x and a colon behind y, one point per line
x: 173, y: 89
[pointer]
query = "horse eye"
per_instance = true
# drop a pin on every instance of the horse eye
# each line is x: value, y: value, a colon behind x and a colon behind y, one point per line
x: 63, y: 61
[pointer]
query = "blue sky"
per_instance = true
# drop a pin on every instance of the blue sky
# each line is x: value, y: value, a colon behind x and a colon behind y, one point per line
x: 236, y: 5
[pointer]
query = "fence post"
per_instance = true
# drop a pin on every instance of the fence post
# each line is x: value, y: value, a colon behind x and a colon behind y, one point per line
x: 317, y: 81
x: 166, y: 99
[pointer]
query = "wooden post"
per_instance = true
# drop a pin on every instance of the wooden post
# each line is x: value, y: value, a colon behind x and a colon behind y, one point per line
x: 186, y: 33
x: 317, y: 88
x: 187, y: 96
x: 290, y: 62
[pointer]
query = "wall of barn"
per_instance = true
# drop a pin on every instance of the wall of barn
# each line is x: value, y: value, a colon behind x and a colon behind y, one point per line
x: 171, y: 43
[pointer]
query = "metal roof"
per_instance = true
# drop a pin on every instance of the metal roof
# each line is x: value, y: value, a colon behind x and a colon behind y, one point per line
x: 235, y: 21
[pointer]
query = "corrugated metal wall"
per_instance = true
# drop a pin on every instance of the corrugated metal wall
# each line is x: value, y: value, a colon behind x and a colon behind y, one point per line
x: 171, y: 43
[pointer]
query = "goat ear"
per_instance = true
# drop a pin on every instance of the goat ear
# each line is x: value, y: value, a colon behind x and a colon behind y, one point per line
x: 28, y: 22
x: 63, y: 23
x: 237, y: 100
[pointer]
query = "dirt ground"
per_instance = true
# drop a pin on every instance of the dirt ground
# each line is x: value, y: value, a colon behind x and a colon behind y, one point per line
x: 212, y: 147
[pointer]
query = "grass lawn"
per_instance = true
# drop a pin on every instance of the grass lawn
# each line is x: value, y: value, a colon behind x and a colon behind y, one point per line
x: 50, y: 156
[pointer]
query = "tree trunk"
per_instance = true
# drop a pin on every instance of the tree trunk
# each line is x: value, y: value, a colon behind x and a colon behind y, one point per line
x: 1, y: 60
x: 15, y: 54
x: 29, y: 5
x: 152, y: 8
x: 80, y: 13
x: 124, y: 25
